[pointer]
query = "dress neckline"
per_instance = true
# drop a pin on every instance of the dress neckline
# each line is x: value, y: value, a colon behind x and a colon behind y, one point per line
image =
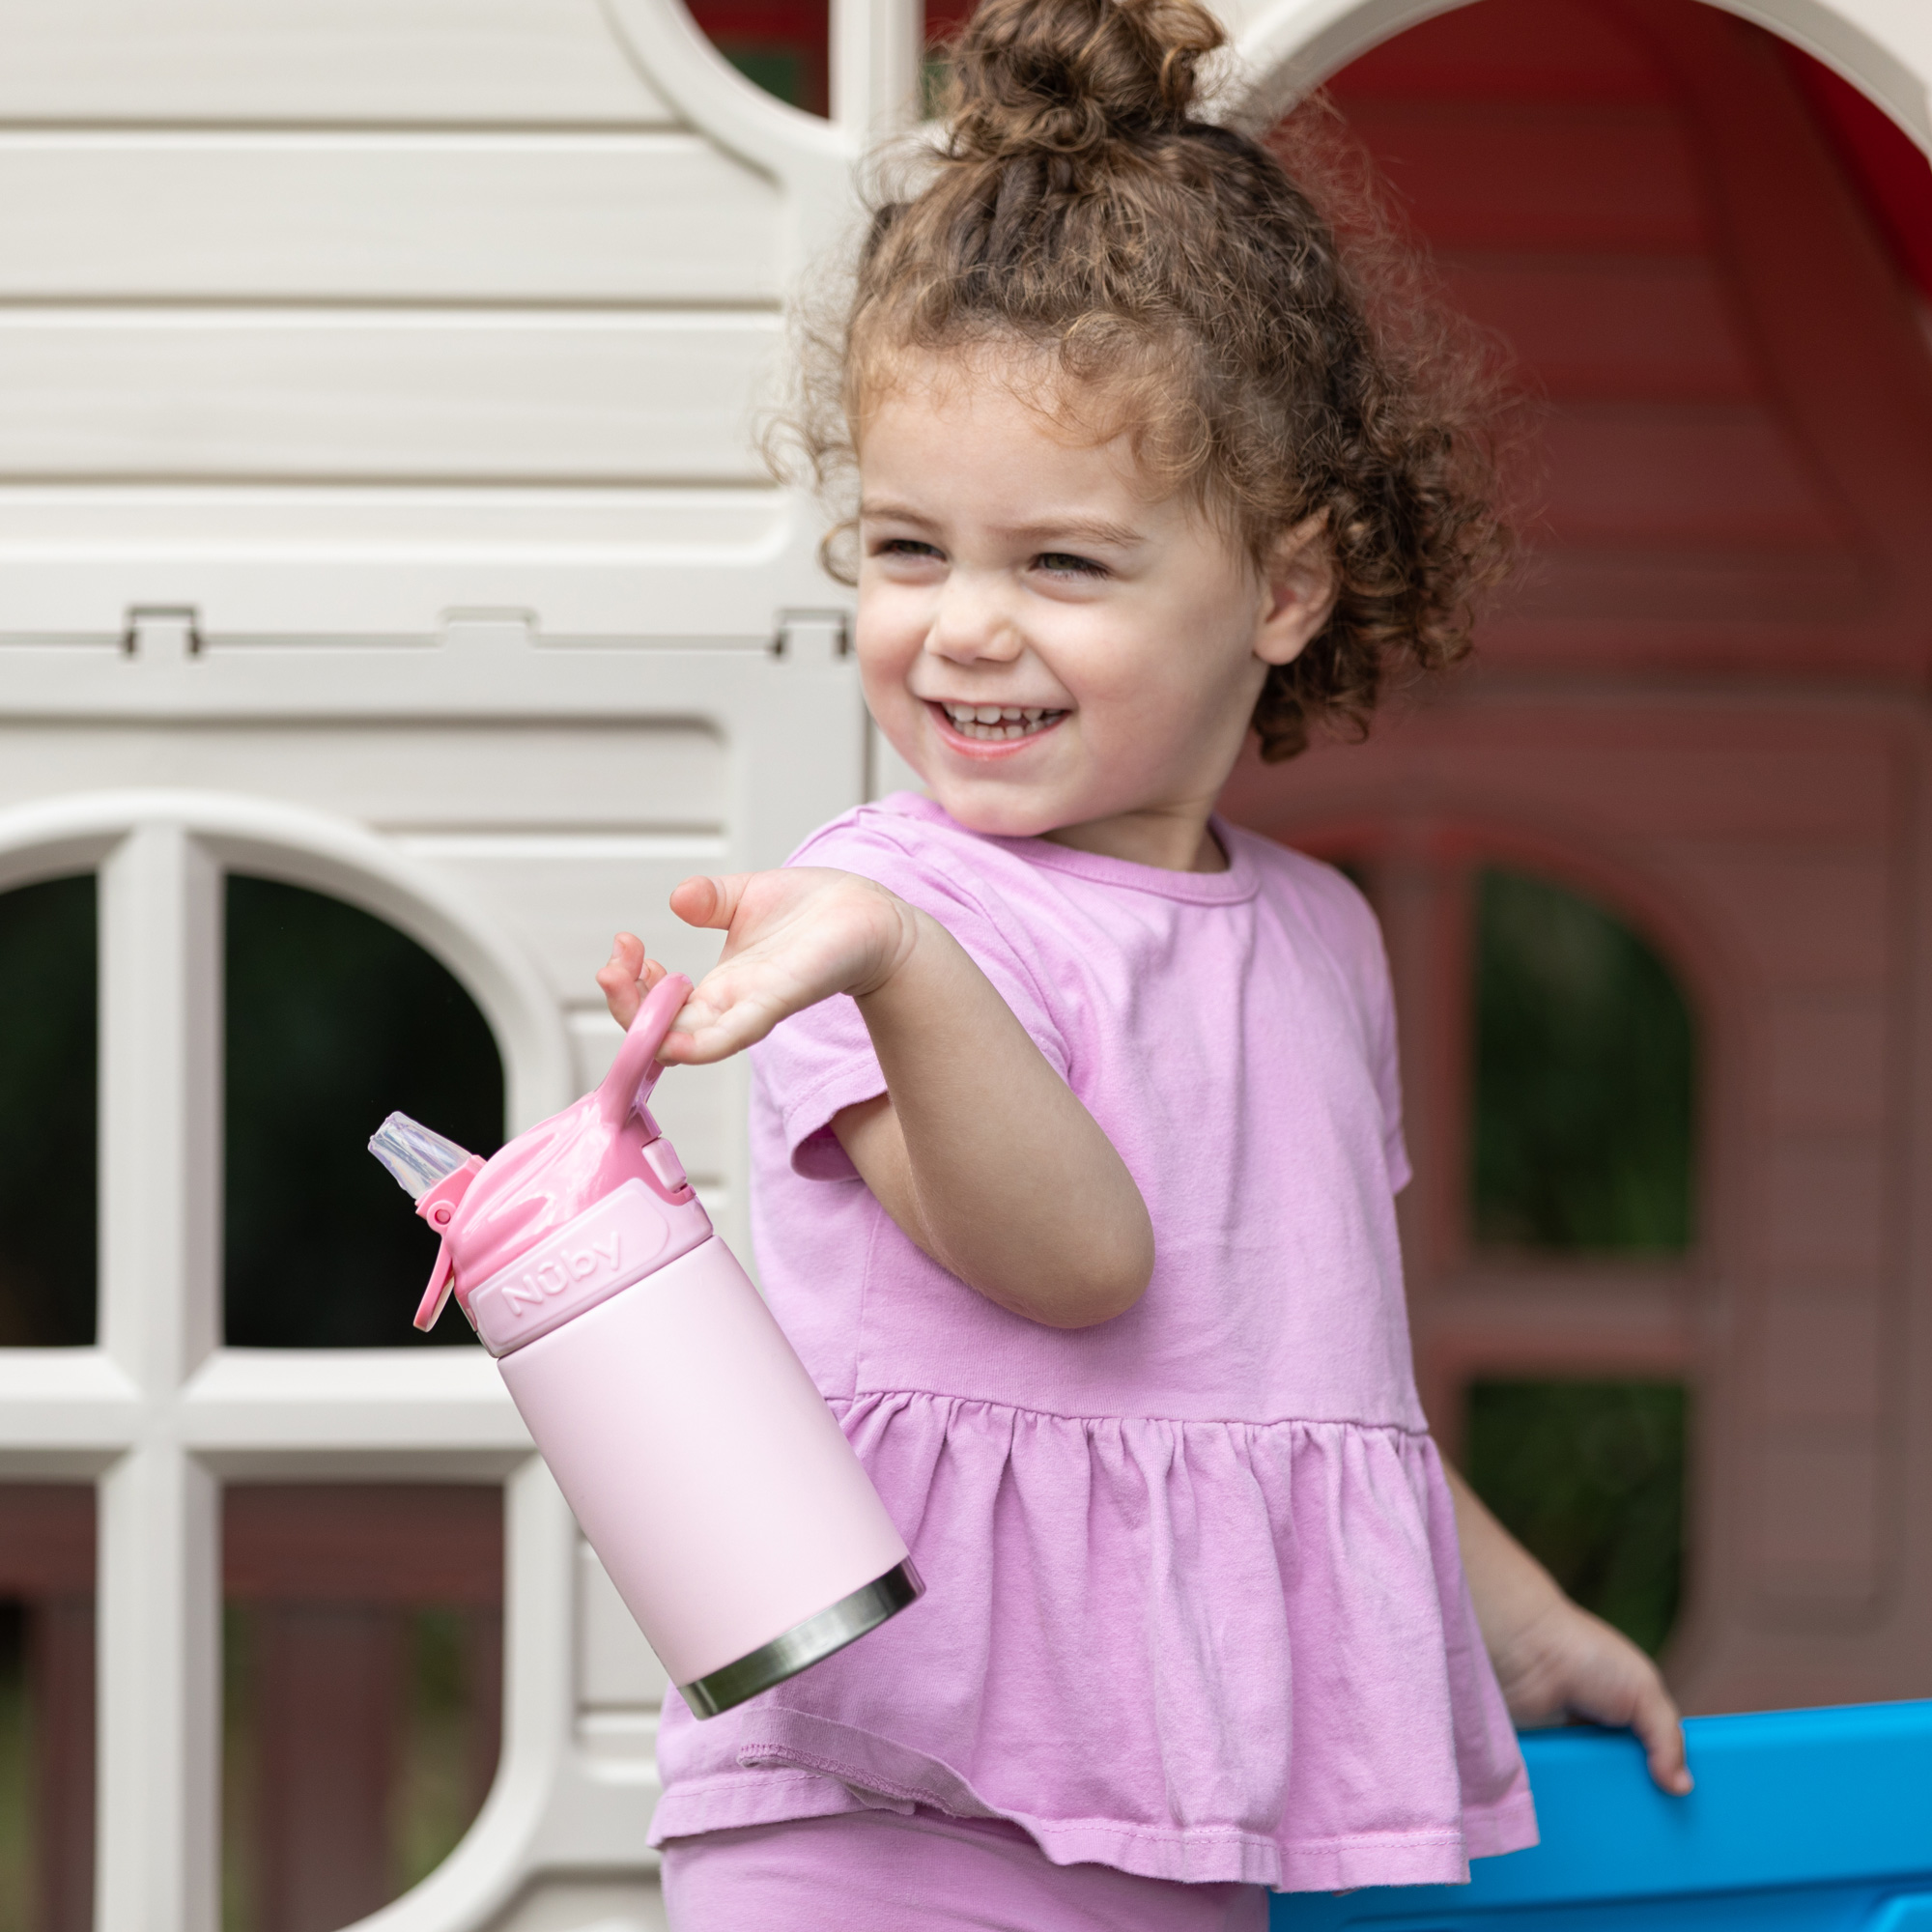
x: 1238, y: 882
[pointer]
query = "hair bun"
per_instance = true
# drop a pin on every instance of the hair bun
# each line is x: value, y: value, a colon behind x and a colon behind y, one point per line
x: 1067, y: 76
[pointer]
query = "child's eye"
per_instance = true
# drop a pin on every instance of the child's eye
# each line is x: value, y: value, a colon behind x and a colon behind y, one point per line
x: 1062, y: 563
x: 907, y: 547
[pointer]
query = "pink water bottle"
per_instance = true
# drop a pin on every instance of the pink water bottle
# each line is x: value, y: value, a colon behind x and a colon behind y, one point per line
x: 705, y: 1468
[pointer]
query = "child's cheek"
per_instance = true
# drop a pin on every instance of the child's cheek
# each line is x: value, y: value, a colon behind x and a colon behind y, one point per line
x: 882, y: 680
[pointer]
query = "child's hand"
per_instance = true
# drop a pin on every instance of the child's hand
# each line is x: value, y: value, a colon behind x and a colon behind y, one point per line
x: 1567, y: 1664
x: 793, y: 937
x: 977, y: 1148
x: 1553, y: 1658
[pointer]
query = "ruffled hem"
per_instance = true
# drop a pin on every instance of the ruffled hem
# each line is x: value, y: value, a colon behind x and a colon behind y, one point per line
x: 1196, y: 1651
x: 802, y: 1769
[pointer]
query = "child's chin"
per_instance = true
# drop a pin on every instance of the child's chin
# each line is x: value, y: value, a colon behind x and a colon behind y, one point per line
x: 984, y: 809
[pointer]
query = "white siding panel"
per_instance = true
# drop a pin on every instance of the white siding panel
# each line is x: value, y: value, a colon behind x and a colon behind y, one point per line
x: 146, y: 61
x: 563, y: 898
x: 424, y: 396
x: 79, y: 526
x: 614, y: 781
x: 337, y: 563
x: 482, y: 217
x: 564, y: 906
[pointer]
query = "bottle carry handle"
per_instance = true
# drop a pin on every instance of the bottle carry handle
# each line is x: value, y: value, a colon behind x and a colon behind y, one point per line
x: 623, y: 1091
x: 635, y: 1071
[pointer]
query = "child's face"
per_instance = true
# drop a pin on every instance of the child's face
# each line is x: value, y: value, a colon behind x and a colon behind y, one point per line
x: 1048, y: 644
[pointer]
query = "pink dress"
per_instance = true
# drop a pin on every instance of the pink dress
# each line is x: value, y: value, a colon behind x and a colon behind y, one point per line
x: 1194, y: 1605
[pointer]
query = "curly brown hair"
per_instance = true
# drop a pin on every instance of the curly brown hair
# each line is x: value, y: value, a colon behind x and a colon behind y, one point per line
x: 1273, y: 362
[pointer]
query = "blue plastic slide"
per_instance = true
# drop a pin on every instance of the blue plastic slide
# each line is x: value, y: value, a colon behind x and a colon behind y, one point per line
x: 1803, y: 1821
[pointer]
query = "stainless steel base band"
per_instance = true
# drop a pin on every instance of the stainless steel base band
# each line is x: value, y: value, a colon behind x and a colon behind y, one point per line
x: 806, y: 1644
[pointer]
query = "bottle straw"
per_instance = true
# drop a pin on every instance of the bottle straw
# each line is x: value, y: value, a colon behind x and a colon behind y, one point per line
x: 416, y: 1157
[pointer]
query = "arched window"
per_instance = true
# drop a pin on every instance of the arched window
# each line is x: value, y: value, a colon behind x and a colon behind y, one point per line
x: 211, y: 1004
x: 362, y: 1633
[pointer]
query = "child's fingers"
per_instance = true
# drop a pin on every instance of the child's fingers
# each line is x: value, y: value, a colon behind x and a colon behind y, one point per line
x: 628, y: 955
x: 709, y: 903
x: 714, y: 1028
x: 626, y: 977
x: 1659, y: 1731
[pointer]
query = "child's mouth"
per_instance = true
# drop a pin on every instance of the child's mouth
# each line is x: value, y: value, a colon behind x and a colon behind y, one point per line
x: 997, y: 724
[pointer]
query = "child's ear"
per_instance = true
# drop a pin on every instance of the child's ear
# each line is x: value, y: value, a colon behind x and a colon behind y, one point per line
x: 1300, y: 591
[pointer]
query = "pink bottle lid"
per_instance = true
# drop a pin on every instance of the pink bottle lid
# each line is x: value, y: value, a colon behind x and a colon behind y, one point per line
x: 494, y: 1213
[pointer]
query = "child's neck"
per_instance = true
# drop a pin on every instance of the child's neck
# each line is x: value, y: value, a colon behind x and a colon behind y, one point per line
x: 1175, y: 839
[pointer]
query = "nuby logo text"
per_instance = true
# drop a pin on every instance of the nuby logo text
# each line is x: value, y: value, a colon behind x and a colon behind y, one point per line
x: 598, y: 1257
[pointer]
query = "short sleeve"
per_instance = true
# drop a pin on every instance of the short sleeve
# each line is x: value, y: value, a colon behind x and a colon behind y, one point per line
x: 1377, y: 991
x: 1386, y: 1067
x: 1348, y: 924
x: 817, y: 1063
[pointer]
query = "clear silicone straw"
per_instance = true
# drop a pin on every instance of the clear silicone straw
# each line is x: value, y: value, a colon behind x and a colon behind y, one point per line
x: 416, y: 1157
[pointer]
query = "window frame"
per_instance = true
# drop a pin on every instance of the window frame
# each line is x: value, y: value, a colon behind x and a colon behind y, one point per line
x: 158, y: 1414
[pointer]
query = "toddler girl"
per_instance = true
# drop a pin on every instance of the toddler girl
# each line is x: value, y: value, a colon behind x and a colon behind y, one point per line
x: 1075, y: 1110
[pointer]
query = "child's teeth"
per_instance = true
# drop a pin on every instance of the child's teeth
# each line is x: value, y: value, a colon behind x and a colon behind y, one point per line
x: 997, y: 722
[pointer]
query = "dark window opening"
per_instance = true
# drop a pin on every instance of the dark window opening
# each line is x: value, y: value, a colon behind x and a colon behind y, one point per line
x: 49, y: 1114
x: 1584, y: 1118
x: 781, y: 45
x: 362, y: 1692
x: 47, y: 1707
x: 1589, y: 1477
x: 333, y: 1019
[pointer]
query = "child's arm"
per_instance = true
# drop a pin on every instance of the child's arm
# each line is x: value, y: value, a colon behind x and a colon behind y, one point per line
x: 977, y: 1148
x: 1553, y: 1658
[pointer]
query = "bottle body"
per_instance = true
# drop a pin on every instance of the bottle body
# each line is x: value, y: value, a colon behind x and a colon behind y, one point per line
x: 703, y: 1466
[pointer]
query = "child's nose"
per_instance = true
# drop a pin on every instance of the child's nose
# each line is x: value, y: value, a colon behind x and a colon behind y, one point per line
x: 973, y: 622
